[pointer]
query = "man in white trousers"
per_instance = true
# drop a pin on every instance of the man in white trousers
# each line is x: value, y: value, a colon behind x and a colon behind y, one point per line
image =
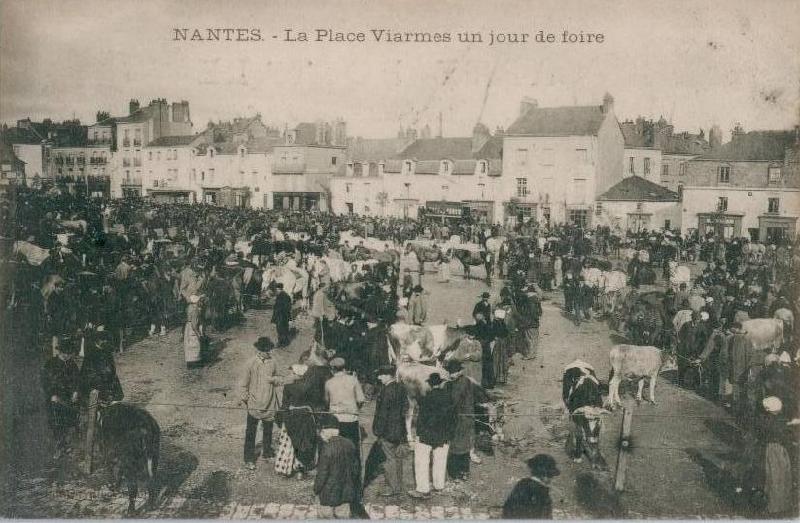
x: 435, y: 423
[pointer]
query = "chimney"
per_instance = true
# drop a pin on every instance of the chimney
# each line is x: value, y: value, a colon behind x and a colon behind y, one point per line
x: 527, y: 104
x: 441, y: 131
x: 480, y: 135
x: 608, y: 103
x: 133, y: 106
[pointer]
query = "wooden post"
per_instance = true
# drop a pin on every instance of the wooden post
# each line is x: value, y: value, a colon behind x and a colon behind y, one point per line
x: 624, y: 449
x: 91, y: 423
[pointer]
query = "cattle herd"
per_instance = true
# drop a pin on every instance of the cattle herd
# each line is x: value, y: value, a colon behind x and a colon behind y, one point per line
x: 121, y: 261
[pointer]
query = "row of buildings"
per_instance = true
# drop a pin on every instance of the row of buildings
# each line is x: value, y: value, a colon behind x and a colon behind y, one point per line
x: 575, y: 164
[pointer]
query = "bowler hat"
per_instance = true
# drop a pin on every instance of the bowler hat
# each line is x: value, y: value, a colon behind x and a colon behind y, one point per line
x: 543, y: 465
x: 264, y: 344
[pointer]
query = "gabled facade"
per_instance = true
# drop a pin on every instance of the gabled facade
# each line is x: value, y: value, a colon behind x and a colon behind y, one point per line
x: 637, y: 204
x: 557, y: 160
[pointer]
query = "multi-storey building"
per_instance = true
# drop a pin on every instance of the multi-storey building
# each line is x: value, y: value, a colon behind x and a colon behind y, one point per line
x: 443, y: 178
x: 749, y: 186
x: 558, y: 160
x: 12, y: 169
x: 303, y: 166
x: 142, y: 126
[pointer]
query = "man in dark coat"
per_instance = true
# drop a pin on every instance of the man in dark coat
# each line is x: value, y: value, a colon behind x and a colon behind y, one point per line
x: 389, y: 425
x: 530, y: 498
x: 337, y: 485
x: 482, y: 314
x: 435, y: 424
x: 98, y: 370
x: 281, y: 315
x: 60, y: 381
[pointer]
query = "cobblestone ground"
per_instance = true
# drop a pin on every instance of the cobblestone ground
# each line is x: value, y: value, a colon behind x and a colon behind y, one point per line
x: 680, y: 466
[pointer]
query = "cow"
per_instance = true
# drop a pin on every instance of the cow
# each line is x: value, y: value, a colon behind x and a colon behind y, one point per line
x: 764, y: 333
x: 633, y: 362
x: 129, y: 439
x: 679, y: 274
x: 419, y: 351
x: 471, y: 258
x: 612, y: 284
x: 584, y: 402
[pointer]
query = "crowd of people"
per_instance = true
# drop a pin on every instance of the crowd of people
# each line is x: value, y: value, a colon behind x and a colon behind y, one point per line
x: 140, y: 268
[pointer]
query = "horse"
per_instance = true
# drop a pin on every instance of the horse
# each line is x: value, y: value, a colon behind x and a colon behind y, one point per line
x: 470, y: 259
x: 424, y: 254
x: 294, y: 279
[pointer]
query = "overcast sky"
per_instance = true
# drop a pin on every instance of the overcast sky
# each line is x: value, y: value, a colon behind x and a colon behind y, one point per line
x: 696, y: 63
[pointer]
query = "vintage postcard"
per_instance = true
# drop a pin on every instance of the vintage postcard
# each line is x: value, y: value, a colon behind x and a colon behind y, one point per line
x: 400, y: 260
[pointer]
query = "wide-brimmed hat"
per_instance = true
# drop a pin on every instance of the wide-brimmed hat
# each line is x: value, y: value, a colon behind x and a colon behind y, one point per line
x: 264, y: 344
x: 543, y: 465
x: 417, y: 288
x: 328, y: 421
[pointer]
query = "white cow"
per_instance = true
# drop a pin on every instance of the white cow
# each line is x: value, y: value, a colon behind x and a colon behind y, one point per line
x: 679, y: 274
x: 764, y: 333
x: 633, y: 362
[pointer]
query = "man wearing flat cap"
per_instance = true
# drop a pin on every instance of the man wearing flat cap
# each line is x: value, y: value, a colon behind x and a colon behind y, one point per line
x: 257, y: 393
x: 530, y: 498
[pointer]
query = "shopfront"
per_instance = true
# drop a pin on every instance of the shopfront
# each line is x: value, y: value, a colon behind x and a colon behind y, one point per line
x: 171, y: 196
x: 638, y: 221
x: 481, y: 211
x: 298, y: 201
x: 231, y: 197
x: 444, y: 210
x: 723, y: 225
x: 520, y: 212
x: 776, y: 229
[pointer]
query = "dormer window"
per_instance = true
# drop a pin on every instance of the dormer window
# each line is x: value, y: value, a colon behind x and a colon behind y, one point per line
x: 774, y: 173
x: 211, y: 151
x: 724, y: 173
x: 408, y: 167
x: 242, y: 151
x: 445, y: 167
x: 483, y: 168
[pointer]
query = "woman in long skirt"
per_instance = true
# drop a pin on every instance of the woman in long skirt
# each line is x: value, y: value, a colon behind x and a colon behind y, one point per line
x: 193, y: 332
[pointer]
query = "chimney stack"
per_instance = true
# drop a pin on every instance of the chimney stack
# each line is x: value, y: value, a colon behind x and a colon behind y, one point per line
x: 527, y: 104
x: 608, y: 103
x: 480, y: 135
x: 133, y: 106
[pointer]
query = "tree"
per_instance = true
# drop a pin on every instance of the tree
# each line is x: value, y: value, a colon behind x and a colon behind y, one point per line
x: 102, y: 116
x: 382, y: 198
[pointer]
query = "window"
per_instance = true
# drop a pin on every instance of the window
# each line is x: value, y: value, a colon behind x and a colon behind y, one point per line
x: 722, y: 203
x: 579, y: 217
x: 724, y: 173
x: 646, y: 166
x: 682, y: 169
x: 211, y: 175
x: 631, y: 169
x: 680, y: 189
x: 408, y: 167
x: 522, y: 187
x: 241, y: 152
x: 333, y: 160
x: 446, y: 166
x: 358, y: 169
x: 522, y: 157
x: 347, y: 187
x: 155, y: 183
x: 202, y: 176
x: 598, y: 209
x: 639, y: 206
x: 483, y: 168
x: 773, y: 205
x: 149, y: 155
x: 583, y: 155
x: 665, y: 170
x: 774, y: 174
x: 667, y: 224
x: 373, y: 169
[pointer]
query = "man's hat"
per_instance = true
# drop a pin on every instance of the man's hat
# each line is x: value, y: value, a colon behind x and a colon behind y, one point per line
x: 264, y: 344
x: 279, y: 285
x: 453, y: 366
x: 485, y: 296
x: 337, y: 363
x: 417, y: 288
x: 543, y: 465
x: 434, y: 379
x: 328, y: 421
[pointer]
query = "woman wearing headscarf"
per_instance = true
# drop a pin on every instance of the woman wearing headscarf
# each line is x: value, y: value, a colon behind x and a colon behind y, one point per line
x: 297, y: 440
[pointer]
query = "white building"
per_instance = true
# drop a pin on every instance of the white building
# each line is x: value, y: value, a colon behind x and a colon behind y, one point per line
x: 637, y: 204
x: 558, y: 160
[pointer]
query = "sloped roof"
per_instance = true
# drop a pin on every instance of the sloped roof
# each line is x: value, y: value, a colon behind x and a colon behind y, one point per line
x: 427, y: 167
x: 559, y: 121
x: 173, y: 141
x: 438, y: 149
x: 491, y: 150
x: 754, y: 146
x: 638, y: 189
x: 393, y: 166
x: 464, y: 166
x: 374, y: 149
x: 632, y: 136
